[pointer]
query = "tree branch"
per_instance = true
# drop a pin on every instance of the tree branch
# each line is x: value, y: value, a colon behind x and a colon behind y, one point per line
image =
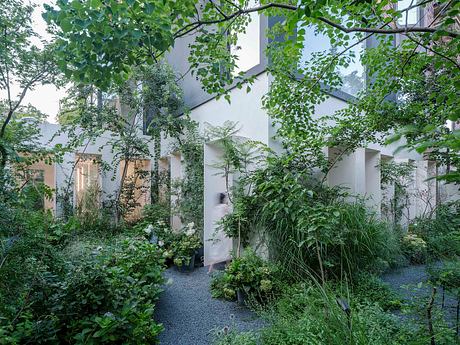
x: 19, y: 101
x: 195, y: 25
x: 455, y: 63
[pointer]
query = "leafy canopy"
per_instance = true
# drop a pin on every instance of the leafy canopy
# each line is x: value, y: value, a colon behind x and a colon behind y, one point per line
x: 99, y: 41
x: 412, y: 73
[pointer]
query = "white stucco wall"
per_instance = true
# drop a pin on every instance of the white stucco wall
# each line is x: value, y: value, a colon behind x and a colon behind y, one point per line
x: 110, y: 179
x: 245, y: 108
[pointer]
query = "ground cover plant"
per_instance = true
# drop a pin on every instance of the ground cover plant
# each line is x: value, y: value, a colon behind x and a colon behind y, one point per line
x: 329, y: 248
x: 76, y: 287
x: 311, y: 313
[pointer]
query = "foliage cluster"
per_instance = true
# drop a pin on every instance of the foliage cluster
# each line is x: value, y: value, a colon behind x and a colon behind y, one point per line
x: 447, y: 275
x: 177, y: 246
x: 308, y: 313
x: 185, y: 245
x: 441, y: 232
x: 250, y: 275
x: 70, y: 289
x: 414, y: 248
x: 189, y: 190
x: 398, y: 175
x: 370, y: 289
x: 311, y: 228
x: 239, y: 158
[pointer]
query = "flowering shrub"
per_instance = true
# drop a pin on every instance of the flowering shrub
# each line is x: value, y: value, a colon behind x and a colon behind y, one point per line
x: 248, y: 273
x: 179, y: 246
x: 414, y: 248
x: 185, y: 245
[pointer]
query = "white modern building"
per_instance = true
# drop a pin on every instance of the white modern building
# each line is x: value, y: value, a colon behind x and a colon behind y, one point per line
x: 92, y: 166
x: 359, y: 171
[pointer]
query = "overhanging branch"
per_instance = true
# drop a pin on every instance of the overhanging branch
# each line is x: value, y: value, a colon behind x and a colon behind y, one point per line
x: 199, y: 23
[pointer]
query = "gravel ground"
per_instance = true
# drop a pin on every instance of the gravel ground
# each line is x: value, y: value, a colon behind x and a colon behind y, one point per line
x: 405, y: 279
x: 189, y: 313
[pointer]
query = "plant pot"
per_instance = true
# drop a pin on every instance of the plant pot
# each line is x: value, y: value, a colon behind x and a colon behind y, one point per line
x: 199, y: 257
x: 241, y: 296
x: 187, y: 268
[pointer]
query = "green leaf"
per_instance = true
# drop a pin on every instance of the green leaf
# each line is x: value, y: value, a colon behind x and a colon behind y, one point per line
x: 66, y: 25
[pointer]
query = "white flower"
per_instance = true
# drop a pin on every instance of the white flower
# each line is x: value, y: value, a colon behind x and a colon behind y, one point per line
x: 190, y: 229
x: 149, y: 229
x: 161, y: 243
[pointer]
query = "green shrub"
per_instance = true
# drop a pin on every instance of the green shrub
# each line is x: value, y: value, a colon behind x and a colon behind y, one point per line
x: 313, y: 229
x: 441, y: 232
x: 114, y: 295
x: 98, y: 296
x: 414, y: 248
x: 447, y: 275
x: 310, y: 314
x: 151, y: 214
x: 250, y: 274
x: 370, y: 289
x: 184, y: 247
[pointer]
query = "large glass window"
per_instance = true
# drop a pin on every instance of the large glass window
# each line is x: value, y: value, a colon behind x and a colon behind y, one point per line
x: 247, y: 48
x: 410, y: 15
x: 87, y: 181
x: 136, y: 186
x: 353, y: 76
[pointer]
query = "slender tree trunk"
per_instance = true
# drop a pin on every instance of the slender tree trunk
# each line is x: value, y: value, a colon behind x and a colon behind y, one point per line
x: 430, y: 318
x: 156, y: 169
x: 3, y: 160
x: 320, y: 261
x: 120, y: 191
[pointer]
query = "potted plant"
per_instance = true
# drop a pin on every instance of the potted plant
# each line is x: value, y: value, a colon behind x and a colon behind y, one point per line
x: 160, y: 234
x: 184, y: 248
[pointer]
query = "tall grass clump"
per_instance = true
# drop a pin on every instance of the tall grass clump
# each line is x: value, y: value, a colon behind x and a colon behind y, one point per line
x: 440, y: 231
x: 314, y: 229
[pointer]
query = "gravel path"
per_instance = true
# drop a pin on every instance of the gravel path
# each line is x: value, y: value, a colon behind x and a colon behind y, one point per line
x: 404, y: 280
x: 189, y: 313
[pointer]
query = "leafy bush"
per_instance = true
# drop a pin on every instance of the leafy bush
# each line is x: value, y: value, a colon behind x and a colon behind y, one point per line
x: 414, y: 248
x: 370, y: 289
x: 152, y: 214
x: 311, y: 228
x: 97, y: 296
x: 248, y: 273
x: 440, y: 232
x: 310, y: 314
x: 447, y: 275
x: 114, y: 295
x: 178, y: 246
x: 185, y: 245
